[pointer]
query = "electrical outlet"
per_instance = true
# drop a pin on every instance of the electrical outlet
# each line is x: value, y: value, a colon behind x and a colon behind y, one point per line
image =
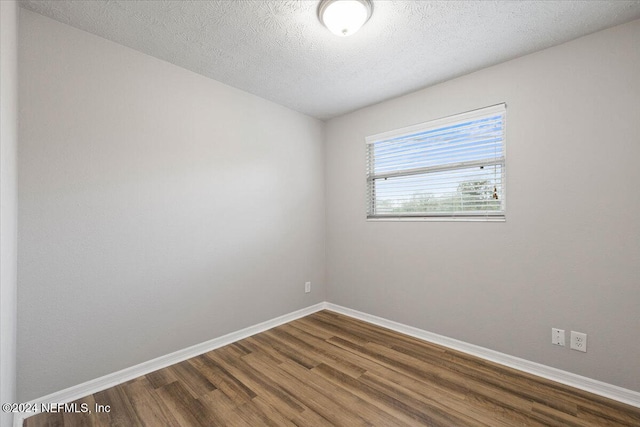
x: 307, y: 287
x: 557, y: 336
x: 578, y: 341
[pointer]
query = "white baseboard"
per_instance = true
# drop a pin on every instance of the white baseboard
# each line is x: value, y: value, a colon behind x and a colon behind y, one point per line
x: 81, y: 390
x: 600, y: 388
x: 70, y: 394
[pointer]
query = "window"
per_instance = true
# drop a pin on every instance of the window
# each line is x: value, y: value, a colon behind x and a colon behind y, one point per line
x: 451, y: 168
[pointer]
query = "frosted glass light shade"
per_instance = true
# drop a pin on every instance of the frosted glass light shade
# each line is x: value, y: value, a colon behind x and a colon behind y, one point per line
x: 344, y: 17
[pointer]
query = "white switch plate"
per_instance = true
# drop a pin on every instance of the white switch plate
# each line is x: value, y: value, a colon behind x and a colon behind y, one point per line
x: 578, y: 341
x: 307, y: 287
x: 557, y: 336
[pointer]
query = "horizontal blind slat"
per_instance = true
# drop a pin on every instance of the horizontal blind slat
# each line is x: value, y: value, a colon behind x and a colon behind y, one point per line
x: 490, y: 146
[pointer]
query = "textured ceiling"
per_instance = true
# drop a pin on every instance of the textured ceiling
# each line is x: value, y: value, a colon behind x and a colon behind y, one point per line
x: 277, y: 49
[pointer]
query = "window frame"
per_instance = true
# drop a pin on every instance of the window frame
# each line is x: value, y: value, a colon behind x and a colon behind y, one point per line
x: 490, y: 216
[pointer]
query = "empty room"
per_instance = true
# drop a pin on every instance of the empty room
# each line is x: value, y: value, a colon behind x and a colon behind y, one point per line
x: 319, y: 212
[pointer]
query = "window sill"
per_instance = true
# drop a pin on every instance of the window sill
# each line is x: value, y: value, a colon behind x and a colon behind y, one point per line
x: 438, y: 219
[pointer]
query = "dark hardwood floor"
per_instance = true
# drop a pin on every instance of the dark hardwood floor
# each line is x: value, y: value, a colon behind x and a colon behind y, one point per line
x: 328, y: 369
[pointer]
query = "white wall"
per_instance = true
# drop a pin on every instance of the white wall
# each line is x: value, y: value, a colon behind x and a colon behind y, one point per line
x: 158, y: 208
x: 8, y: 201
x: 568, y: 255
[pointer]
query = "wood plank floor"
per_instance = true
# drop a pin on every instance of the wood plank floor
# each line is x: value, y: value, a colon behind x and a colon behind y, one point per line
x: 328, y: 369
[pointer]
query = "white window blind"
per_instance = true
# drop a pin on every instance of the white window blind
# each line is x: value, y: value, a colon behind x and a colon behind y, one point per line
x: 448, y: 168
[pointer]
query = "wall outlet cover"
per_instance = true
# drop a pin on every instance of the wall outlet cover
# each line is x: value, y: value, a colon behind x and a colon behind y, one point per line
x: 579, y: 341
x: 557, y: 336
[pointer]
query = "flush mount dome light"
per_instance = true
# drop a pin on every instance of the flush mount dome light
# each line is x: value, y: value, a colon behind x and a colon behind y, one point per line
x: 344, y: 17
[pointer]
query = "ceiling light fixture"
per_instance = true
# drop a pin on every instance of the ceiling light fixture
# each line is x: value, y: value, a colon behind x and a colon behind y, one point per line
x: 344, y: 17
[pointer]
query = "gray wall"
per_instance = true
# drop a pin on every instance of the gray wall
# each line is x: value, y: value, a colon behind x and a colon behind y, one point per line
x: 158, y: 208
x: 568, y: 255
x: 8, y: 201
